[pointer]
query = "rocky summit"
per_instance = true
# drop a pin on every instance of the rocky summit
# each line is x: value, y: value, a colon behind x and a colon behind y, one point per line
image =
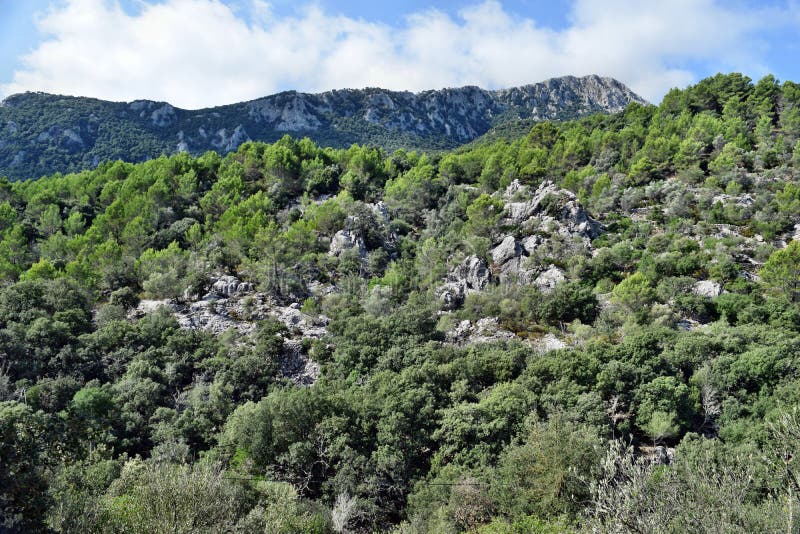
x: 42, y: 133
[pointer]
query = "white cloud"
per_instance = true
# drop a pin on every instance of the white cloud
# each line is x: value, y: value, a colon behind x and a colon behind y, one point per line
x: 196, y: 53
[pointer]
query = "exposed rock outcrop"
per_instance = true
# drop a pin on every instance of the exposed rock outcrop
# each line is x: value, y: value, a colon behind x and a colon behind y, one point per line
x: 163, y: 116
x: 707, y: 288
x: 372, y: 226
x: 549, y: 279
x: 347, y: 239
x: 508, y: 249
x: 297, y: 366
x: 486, y: 330
x: 489, y: 330
x: 229, y: 286
x: 549, y: 203
x: 578, y: 221
x: 547, y: 343
x: 226, y: 142
x: 232, y: 304
x: 509, y: 261
x: 469, y: 276
x: 544, y: 213
x: 792, y: 235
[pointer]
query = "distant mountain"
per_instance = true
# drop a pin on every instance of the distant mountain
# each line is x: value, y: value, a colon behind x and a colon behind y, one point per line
x: 42, y: 133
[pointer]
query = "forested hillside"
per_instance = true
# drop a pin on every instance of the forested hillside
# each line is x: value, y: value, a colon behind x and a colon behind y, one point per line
x: 42, y: 133
x: 592, y: 327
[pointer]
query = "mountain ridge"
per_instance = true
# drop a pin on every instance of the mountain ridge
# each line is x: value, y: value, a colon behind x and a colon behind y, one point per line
x: 42, y: 133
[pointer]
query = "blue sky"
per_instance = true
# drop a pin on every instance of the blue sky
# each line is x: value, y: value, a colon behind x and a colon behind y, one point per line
x: 552, y: 13
x: 196, y: 53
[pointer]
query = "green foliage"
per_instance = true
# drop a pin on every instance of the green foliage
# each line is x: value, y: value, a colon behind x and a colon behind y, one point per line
x: 49, y: 133
x: 703, y: 488
x: 781, y: 272
x: 542, y: 475
x: 25, y: 453
x: 428, y: 414
x: 660, y: 426
x: 171, y: 498
x: 634, y: 292
x: 483, y: 214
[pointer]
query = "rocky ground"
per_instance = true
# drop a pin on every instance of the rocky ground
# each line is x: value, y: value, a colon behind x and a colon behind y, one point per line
x: 539, y: 217
x: 489, y: 330
x: 233, y: 305
x: 536, y: 218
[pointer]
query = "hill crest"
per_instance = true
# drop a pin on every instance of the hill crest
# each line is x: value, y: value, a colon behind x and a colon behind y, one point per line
x: 42, y: 133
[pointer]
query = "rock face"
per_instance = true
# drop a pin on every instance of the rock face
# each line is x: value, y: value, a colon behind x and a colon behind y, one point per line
x: 233, y: 305
x: 486, y: 330
x: 578, y: 221
x: 547, y: 212
x: 549, y: 204
x: 469, y: 276
x: 436, y: 119
x: 707, y: 288
x: 462, y: 113
x: 371, y: 225
x: 347, y: 240
x: 297, y: 365
x: 509, y: 261
x: 547, y: 343
x: 549, y: 279
x: 792, y: 235
x: 223, y: 140
x: 489, y: 330
x: 229, y: 286
x: 508, y: 249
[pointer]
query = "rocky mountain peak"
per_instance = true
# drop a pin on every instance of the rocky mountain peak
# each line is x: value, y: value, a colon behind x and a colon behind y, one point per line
x: 143, y: 129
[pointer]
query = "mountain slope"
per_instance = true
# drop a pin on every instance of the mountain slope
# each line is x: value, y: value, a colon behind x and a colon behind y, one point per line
x: 42, y: 133
x: 592, y: 328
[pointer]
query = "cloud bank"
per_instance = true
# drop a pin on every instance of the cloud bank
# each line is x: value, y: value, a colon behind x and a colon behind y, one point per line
x: 198, y: 53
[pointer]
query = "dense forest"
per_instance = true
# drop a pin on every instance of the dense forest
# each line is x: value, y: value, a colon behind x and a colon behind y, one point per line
x: 592, y: 326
